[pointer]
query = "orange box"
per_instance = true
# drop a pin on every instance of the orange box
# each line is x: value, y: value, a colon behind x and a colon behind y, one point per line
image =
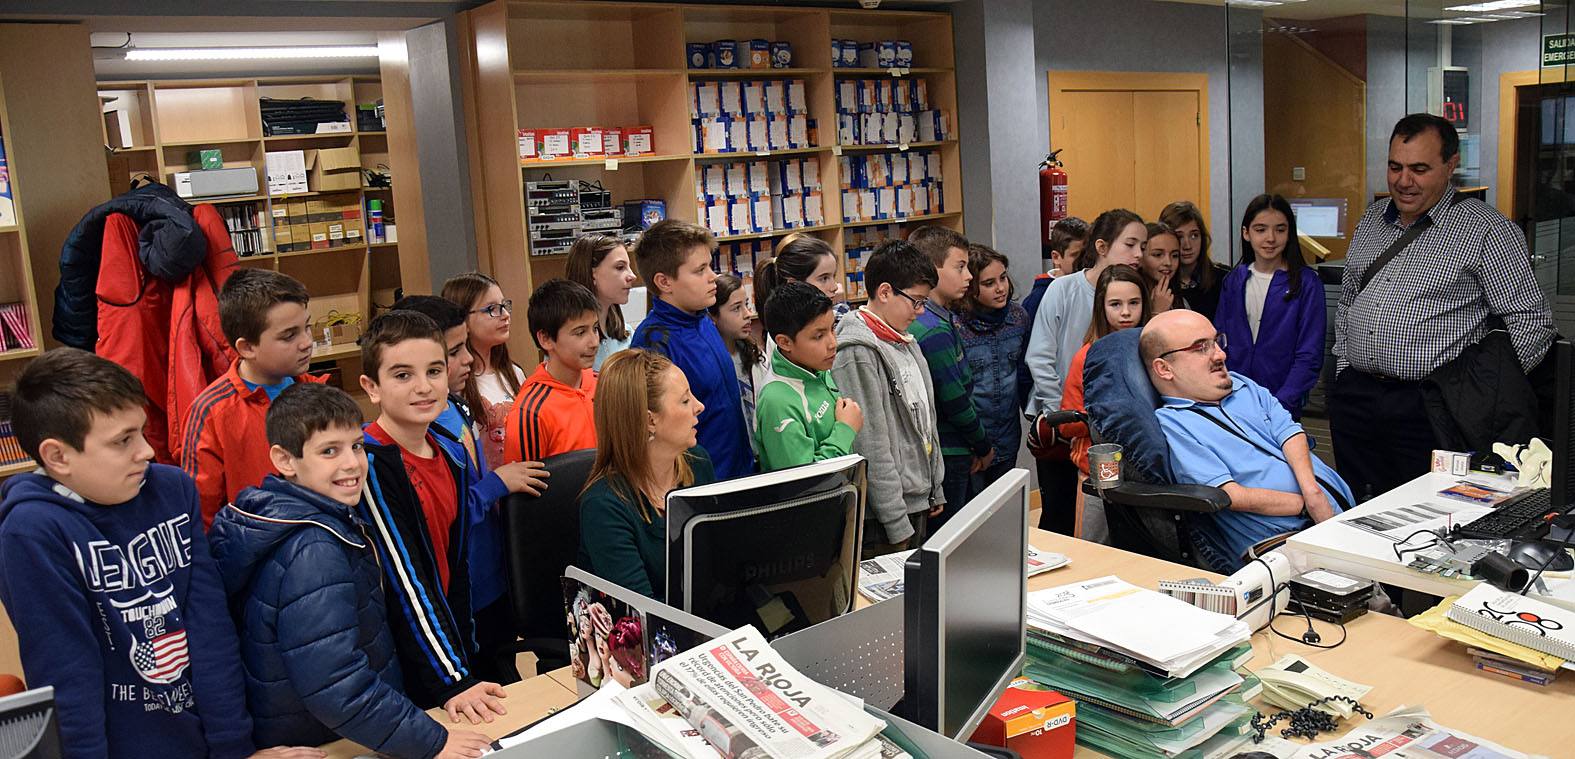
x: 1037, y: 724
x: 639, y: 140
x: 527, y: 144
x: 612, y: 140
x: 586, y: 141
x: 553, y: 143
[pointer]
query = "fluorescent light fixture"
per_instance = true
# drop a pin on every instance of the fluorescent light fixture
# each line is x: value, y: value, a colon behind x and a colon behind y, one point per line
x: 1452, y: 22
x: 250, y: 53
x: 1252, y: 3
x: 1495, y: 5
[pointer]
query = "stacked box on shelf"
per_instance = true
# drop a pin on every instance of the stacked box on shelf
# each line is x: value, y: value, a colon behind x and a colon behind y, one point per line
x: 561, y: 211
x: 11, y: 452
x: 888, y: 112
x: 894, y: 186
x: 244, y: 222
x: 740, y: 258
x: 858, y: 244
x: 757, y: 197
x: 750, y: 116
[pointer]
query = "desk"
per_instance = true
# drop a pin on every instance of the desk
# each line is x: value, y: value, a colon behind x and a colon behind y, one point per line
x: 529, y: 700
x: 1344, y: 548
x: 1405, y: 665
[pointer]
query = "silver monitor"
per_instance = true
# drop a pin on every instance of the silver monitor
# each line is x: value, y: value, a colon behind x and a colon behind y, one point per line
x: 965, y: 609
x: 28, y: 725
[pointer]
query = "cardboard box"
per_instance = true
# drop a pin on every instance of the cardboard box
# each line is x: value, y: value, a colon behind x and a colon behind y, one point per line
x: 300, y: 236
x: 639, y: 140
x: 527, y: 144
x: 1037, y: 724
x: 283, y: 242
x: 319, y: 232
x: 612, y: 141
x: 552, y: 144
x: 211, y: 158
x: 336, y: 233
x: 297, y: 212
x: 330, y: 169
x: 587, y: 141
x: 287, y: 172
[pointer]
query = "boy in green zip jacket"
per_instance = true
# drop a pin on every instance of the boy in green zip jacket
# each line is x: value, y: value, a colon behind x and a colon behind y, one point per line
x: 799, y: 416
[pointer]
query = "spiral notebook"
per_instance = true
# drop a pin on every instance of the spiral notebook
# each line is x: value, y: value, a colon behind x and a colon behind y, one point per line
x: 1515, y: 618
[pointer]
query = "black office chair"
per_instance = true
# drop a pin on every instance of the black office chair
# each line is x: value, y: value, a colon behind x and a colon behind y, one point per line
x: 1149, y: 512
x: 542, y: 538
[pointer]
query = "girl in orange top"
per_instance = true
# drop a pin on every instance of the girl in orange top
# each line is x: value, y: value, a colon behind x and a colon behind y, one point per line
x: 1121, y: 300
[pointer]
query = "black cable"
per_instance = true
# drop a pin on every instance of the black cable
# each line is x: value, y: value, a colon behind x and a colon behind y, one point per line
x: 121, y: 46
x: 1306, y: 722
x: 1311, y: 637
x: 1548, y: 562
x: 1437, y: 538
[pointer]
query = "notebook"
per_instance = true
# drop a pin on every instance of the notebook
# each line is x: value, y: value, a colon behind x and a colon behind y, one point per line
x: 1515, y: 618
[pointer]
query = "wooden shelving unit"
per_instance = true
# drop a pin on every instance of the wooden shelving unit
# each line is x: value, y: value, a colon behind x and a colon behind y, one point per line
x: 168, y: 120
x: 16, y: 277
x: 566, y: 63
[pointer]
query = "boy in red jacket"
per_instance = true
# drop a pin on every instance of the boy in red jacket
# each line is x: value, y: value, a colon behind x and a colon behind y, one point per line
x: 224, y: 444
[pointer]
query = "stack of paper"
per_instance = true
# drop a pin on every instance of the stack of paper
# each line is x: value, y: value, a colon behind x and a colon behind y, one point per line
x: 1154, y: 676
x: 1437, y: 620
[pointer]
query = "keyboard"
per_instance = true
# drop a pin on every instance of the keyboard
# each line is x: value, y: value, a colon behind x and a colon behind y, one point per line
x: 1517, y: 516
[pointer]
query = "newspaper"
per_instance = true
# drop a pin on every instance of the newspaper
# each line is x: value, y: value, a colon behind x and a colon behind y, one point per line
x: 747, y: 702
x: 881, y: 578
x: 1408, y: 732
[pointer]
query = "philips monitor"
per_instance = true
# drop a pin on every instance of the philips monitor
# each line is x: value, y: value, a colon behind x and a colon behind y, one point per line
x: 27, y: 725
x: 965, y: 610
x: 779, y: 550
x: 1320, y: 217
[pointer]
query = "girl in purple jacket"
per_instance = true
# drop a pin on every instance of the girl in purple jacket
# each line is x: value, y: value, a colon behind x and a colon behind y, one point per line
x: 1271, y: 310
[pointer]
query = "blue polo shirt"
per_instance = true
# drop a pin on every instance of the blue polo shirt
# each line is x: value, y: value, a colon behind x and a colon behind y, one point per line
x: 1203, y: 453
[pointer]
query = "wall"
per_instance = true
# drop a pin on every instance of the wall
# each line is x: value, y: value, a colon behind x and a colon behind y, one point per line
x: 1139, y: 35
x: 1386, y: 48
x: 1506, y: 46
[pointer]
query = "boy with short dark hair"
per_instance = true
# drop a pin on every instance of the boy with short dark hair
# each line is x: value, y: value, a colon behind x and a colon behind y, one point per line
x: 105, y: 573
x: 415, y: 514
x: 488, y: 578
x: 553, y: 413
x: 305, y: 586
x: 965, y: 448
x: 799, y: 416
x: 223, y: 444
x: 879, y: 366
x: 674, y: 257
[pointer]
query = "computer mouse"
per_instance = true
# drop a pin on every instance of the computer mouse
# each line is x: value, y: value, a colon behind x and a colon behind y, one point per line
x: 1532, y: 555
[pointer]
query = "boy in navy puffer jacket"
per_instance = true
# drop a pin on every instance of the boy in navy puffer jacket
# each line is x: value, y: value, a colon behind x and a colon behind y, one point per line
x: 306, y: 591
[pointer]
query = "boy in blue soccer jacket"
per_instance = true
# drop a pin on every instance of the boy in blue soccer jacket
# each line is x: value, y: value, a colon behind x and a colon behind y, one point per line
x: 105, y: 573
x: 674, y: 257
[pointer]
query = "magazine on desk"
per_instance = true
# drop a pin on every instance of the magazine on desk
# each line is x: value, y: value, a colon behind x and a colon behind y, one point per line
x: 1408, y: 732
x: 880, y: 578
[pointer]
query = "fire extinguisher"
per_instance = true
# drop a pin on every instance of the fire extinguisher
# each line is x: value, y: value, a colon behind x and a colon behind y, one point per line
x: 1052, y: 194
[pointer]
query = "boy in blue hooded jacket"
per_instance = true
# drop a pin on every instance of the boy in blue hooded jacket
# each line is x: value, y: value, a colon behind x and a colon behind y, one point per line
x: 674, y: 257
x: 105, y: 573
x: 305, y: 588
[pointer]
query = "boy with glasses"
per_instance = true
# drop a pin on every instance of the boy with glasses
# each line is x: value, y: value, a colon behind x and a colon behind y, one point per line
x: 879, y: 366
x: 1229, y: 432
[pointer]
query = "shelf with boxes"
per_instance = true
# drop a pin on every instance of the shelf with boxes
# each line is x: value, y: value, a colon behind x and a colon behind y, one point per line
x: 300, y: 154
x: 708, y: 115
x: 21, y: 336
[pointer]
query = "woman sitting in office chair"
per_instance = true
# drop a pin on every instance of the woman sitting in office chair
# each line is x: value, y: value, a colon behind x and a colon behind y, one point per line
x: 646, y: 421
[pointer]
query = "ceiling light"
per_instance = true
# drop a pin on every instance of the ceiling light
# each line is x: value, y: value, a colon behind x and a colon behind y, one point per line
x: 1452, y: 22
x: 1252, y: 3
x: 250, y: 53
x: 1495, y: 5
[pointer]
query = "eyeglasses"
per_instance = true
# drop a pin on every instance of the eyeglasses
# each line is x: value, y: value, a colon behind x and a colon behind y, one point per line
x: 918, y: 303
x: 1204, y: 346
x: 496, y: 310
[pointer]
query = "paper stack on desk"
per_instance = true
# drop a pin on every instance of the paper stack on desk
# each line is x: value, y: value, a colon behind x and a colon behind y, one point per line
x: 1153, y: 676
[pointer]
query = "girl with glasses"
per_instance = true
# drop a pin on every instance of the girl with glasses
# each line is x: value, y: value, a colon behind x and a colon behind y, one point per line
x: 494, y: 377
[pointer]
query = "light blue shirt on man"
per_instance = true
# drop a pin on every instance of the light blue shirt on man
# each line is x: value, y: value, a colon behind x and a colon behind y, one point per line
x: 1248, y: 453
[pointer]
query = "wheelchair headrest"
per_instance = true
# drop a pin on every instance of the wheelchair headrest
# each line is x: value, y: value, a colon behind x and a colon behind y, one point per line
x: 1120, y: 401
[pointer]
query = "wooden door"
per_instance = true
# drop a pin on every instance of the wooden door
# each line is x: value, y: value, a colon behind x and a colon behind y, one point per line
x: 1137, y: 141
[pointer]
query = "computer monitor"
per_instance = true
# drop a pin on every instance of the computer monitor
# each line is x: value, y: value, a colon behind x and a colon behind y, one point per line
x: 27, y: 725
x: 1320, y: 217
x: 779, y: 550
x: 965, y: 611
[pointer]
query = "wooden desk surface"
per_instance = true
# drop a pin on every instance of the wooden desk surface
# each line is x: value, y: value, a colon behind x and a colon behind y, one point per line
x: 1405, y: 665
x: 529, y: 700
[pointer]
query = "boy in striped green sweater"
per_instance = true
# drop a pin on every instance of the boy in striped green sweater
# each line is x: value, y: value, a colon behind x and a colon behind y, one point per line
x: 964, y: 446
x: 799, y: 416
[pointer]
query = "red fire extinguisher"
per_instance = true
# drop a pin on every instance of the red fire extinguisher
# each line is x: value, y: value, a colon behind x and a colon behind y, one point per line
x: 1052, y: 194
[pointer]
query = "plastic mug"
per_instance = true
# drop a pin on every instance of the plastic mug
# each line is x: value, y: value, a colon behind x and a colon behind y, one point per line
x: 1104, y: 465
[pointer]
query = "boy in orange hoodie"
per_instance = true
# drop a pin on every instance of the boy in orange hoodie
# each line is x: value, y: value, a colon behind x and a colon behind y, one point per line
x: 224, y: 444
x: 552, y: 413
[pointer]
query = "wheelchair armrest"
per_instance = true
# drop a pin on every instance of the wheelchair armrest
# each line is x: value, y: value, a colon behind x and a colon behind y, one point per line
x: 1058, y: 418
x: 1200, y: 499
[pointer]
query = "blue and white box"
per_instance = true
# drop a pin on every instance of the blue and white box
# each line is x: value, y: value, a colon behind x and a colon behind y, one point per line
x: 781, y: 55
x: 797, y: 100
x: 886, y: 54
x: 732, y: 98
x: 699, y: 54
x: 904, y: 59
x: 726, y: 54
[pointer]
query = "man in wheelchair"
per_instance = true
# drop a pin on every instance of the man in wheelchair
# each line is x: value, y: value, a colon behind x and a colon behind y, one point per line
x: 1226, y: 431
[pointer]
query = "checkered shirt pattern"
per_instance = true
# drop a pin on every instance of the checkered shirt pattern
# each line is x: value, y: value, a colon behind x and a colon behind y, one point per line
x: 1430, y: 302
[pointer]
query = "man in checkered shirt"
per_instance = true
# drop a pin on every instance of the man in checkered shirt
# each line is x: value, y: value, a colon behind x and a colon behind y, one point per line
x: 1422, y: 309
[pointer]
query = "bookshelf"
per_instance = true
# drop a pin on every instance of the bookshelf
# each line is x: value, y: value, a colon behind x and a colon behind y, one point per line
x: 16, y: 288
x: 155, y: 128
x: 558, y: 64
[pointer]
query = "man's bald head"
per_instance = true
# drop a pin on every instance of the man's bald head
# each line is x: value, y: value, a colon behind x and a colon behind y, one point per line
x: 1177, y: 371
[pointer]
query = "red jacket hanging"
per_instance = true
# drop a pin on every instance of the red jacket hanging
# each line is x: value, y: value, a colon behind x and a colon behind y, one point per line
x: 165, y: 333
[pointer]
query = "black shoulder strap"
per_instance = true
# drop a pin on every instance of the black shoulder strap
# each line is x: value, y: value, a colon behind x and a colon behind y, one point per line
x: 1421, y: 225
x: 1280, y: 455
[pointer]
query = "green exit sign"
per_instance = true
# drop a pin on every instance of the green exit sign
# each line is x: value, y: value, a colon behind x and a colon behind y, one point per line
x: 1558, y: 49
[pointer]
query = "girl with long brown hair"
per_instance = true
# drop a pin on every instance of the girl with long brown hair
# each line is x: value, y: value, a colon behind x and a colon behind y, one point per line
x: 647, y: 422
x: 601, y: 263
x: 1198, y: 279
x: 494, y: 377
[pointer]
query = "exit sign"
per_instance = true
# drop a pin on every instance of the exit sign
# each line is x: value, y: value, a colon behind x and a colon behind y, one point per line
x: 1558, y: 49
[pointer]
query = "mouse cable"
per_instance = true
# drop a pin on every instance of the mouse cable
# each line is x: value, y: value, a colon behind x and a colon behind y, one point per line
x: 1552, y: 556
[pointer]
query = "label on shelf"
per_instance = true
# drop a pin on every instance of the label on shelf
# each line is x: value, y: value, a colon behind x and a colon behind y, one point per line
x: 612, y: 164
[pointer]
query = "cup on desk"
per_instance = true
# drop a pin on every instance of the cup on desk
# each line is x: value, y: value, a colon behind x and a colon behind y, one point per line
x: 1104, y: 465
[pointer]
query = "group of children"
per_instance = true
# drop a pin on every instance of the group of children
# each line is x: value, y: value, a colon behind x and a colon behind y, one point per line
x: 364, y: 564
